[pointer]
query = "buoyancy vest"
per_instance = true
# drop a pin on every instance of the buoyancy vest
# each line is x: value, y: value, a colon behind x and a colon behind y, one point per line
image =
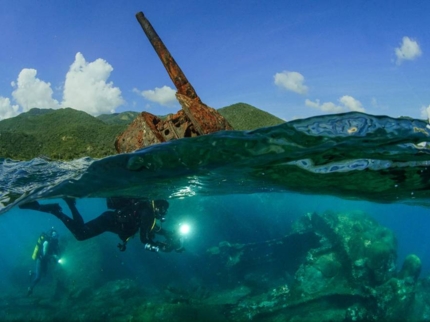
x: 39, y: 246
x: 129, y: 220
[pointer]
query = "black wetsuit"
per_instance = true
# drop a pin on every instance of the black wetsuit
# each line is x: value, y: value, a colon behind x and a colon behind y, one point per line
x: 125, y: 222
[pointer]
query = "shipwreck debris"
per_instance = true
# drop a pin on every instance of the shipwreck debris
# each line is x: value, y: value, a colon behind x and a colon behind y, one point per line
x: 195, y: 118
x: 330, y: 267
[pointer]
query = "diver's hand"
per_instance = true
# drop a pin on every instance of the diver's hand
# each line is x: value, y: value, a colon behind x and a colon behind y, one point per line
x: 175, y: 242
x: 180, y: 249
x: 122, y: 247
x: 178, y: 246
x: 171, y: 245
x: 55, y: 258
x: 152, y: 248
x: 157, y: 246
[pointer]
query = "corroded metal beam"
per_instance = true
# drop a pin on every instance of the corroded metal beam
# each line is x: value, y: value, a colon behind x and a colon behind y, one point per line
x: 195, y: 118
x: 177, y: 76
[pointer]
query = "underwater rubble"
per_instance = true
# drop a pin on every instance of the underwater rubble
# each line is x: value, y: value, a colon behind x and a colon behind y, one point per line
x: 329, y: 267
x: 336, y: 267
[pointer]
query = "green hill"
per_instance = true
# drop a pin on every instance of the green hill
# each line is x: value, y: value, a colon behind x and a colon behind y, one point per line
x: 123, y: 118
x: 246, y: 117
x: 67, y: 134
x: 58, y: 134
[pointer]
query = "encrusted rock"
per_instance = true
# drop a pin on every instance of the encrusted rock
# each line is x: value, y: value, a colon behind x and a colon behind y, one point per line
x: 411, y: 268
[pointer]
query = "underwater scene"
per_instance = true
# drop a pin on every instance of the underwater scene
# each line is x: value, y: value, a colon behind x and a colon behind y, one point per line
x: 317, y: 219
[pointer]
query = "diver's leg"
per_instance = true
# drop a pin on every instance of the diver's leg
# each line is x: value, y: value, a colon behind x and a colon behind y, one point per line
x: 37, y: 276
x: 75, y: 213
x: 75, y: 225
x: 81, y: 230
x: 55, y: 209
x: 97, y: 226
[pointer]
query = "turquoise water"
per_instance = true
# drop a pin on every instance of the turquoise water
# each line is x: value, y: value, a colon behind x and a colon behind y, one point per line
x: 353, y: 155
x: 240, y: 187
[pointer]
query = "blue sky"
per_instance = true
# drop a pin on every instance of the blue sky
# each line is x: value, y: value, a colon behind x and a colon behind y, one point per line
x: 293, y: 59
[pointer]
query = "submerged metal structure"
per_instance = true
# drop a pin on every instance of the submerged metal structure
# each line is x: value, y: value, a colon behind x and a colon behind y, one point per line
x: 195, y: 118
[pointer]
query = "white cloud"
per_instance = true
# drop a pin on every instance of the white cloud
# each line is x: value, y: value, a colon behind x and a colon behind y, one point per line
x: 315, y: 104
x: 349, y: 104
x: 291, y: 81
x: 7, y: 110
x: 86, y: 89
x: 425, y: 113
x: 331, y: 108
x: 328, y: 107
x: 409, y: 50
x: 32, y: 92
x: 164, y: 96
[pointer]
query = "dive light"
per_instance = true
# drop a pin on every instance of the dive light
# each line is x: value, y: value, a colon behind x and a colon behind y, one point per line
x: 184, y: 229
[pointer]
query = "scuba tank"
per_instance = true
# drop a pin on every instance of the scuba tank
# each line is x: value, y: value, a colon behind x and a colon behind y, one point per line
x: 38, y: 246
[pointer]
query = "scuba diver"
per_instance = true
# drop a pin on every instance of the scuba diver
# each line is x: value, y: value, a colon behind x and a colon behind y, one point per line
x: 46, y: 251
x: 125, y: 217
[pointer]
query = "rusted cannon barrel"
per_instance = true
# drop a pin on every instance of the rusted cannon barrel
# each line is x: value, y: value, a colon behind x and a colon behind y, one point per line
x: 195, y: 118
x: 174, y: 71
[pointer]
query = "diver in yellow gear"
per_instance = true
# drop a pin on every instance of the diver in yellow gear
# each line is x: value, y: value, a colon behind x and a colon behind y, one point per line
x: 45, y: 251
x: 125, y: 217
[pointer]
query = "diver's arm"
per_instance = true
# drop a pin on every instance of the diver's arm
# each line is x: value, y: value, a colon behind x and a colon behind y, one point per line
x: 146, y: 237
x: 163, y: 232
x: 56, y: 251
x: 147, y: 225
x: 45, y: 248
x: 172, y: 240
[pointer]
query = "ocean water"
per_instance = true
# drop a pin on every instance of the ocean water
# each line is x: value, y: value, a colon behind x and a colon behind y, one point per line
x: 239, y: 187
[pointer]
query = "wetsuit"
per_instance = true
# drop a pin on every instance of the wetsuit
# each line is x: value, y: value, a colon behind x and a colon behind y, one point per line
x: 125, y: 223
x: 49, y: 251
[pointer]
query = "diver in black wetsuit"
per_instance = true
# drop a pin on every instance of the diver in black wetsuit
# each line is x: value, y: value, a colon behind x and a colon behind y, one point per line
x: 129, y: 215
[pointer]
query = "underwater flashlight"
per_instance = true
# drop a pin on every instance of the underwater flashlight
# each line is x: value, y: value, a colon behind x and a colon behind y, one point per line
x: 184, y: 229
x: 60, y: 261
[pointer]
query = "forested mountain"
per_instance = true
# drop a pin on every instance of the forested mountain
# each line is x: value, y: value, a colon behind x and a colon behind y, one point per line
x: 67, y: 134
x: 247, y: 117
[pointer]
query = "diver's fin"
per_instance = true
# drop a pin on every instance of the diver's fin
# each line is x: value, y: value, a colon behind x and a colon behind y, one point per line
x: 33, y: 205
x: 52, y: 208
